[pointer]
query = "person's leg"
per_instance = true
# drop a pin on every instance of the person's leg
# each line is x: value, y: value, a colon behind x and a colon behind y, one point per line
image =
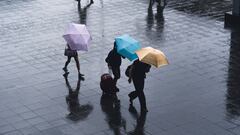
x: 139, y: 85
x: 142, y: 100
x: 141, y: 95
x: 116, y: 73
x: 66, y: 64
x: 77, y: 64
x: 133, y: 94
x: 78, y: 68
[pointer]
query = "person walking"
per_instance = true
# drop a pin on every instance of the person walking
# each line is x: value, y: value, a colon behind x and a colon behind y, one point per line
x: 138, y: 75
x: 72, y: 53
x: 114, y: 62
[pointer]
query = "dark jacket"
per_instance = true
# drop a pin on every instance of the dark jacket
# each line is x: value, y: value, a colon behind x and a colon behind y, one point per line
x: 140, y: 69
x: 114, y: 59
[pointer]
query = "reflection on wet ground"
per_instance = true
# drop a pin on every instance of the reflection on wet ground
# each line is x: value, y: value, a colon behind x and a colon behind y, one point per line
x: 233, y: 87
x: 77, y: 111
x: 111, y: 107
x: 197, y: 94
x: 211, y: 8
x: 140, y: 121
x: 83, y: 12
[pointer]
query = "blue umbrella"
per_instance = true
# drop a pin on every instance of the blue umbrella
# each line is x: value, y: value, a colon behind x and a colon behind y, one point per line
x: 127, y: 46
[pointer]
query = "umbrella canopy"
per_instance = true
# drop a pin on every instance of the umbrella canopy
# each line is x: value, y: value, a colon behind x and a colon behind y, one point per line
x: 127, y: 46
x: 77, y: 36
x: 152, y: 56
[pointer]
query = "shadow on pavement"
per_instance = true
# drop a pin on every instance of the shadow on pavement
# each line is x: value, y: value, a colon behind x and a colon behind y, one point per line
x: 111, y: 107
x: 77, y: 111
x: 141, y: 119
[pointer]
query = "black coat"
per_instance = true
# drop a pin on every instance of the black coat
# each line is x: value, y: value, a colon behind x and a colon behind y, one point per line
x: 114, y: 59
x: 140, y: 69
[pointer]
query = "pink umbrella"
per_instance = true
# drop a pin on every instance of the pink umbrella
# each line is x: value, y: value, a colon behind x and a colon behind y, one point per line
x: 77, y: 36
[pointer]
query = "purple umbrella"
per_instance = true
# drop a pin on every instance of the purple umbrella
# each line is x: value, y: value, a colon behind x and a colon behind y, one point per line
x: 77, y: 36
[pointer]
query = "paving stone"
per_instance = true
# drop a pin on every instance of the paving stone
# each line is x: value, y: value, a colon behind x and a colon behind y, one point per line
x: 43, y: 126
x: 28, y: 115
x: 14, y: 133
x: 29, y: 130
x: 36, y: 120
x: 6, y: 128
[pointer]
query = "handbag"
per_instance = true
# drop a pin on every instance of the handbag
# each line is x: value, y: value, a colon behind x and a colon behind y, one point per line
x: 128, y: 71
x: 70, y: 53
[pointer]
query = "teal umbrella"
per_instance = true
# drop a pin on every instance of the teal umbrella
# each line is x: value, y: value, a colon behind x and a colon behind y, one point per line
x: 127, y: 46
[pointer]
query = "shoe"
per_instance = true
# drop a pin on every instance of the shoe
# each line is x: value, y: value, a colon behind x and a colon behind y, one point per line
x: 65, y: 69
x: 80, y: 74
x: 91, y: 2
x: 131, y: 108
x: 82, y: 78
x: 116, y: 89
x: 130, y: 99
x: 65, y: 74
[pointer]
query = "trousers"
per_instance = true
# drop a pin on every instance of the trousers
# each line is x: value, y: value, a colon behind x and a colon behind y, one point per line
x: 138, y: 83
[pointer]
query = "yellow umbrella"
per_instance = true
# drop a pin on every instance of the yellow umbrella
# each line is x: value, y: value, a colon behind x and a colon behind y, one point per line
x: 152, y: 56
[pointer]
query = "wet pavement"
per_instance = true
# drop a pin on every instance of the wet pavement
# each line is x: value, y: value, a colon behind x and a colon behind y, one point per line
x: 207, y: 8
x: 197, y: 94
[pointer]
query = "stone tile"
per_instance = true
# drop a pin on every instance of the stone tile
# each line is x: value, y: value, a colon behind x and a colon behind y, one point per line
x: 59, y: 122
x: 6, y: 128
x: 28, y: 115
x: 29, y: 130
x: 14, y: 133
x: 3, y: 122
x: 43, y: 126
x: 52, y: 131
x: 236, y: 130
x: 35, y: 120
x: 14, y: 119
x: 21, y: 109
x: 21, y: 124
x: 7, y: 113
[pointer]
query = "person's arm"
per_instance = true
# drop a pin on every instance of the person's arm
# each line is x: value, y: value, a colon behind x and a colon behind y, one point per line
x: 108, y: 57
x: 148, y: 68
